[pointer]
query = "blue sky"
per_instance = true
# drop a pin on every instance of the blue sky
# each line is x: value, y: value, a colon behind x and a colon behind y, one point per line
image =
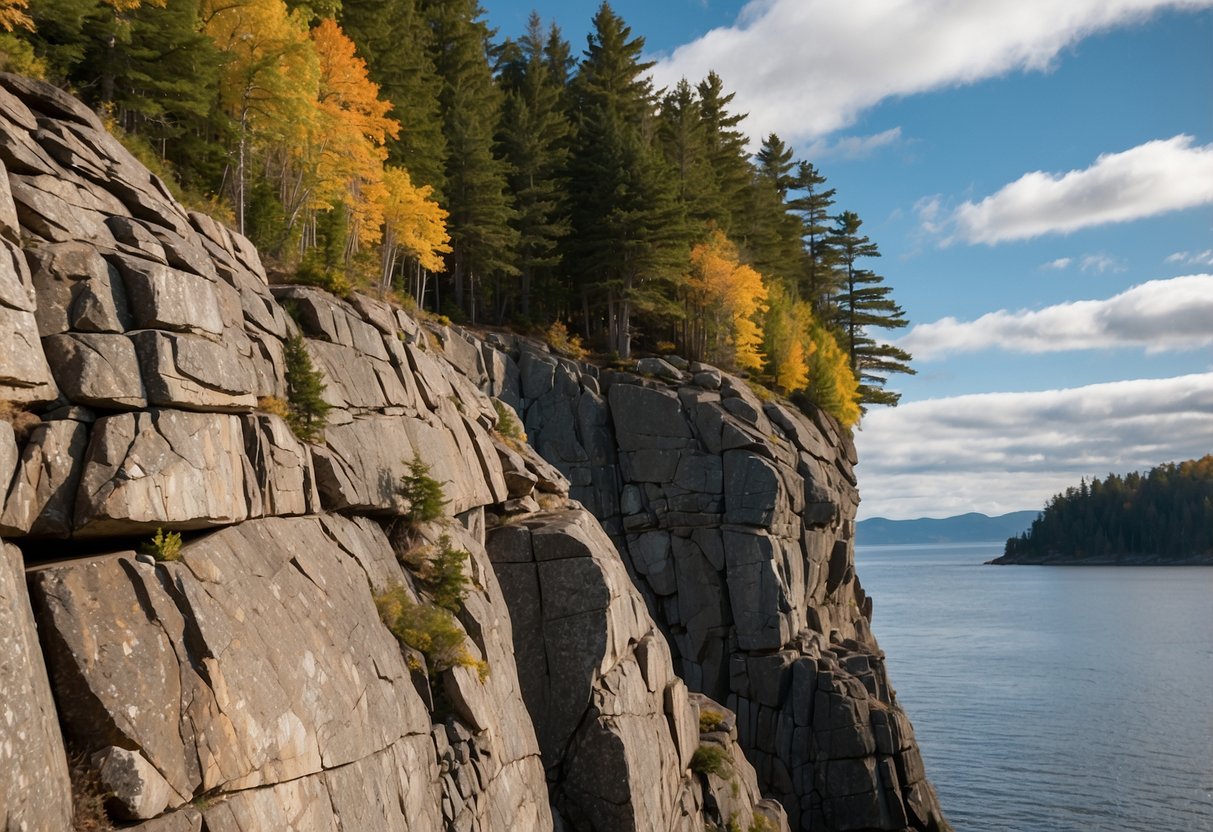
x: 1039, y: 178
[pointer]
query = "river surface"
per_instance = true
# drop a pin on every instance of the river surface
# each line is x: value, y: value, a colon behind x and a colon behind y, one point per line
x: 1052, y: 698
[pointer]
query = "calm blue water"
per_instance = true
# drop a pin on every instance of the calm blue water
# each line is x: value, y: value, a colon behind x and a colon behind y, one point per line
x: 1052, y: 699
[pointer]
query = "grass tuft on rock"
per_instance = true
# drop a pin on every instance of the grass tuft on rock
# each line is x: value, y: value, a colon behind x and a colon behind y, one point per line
x: 710, y: 758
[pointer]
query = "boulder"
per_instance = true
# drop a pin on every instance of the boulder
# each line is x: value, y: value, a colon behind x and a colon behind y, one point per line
x: 25, y: 375
x: 659, y: 368
x: 35, y: 792
x: 139, y: 791
x: 183, y: 370
x: 648, y: 418
x: 169, y: 468
x: 97, y: 370
x: 76, y: 289
x: 42, y: 496
x: 162, y: 297
x: 16, y: 285
x: 281, y: 467
x: 230, y: 676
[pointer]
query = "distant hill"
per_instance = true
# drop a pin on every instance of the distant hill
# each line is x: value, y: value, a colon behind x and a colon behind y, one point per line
x: 963, y: 528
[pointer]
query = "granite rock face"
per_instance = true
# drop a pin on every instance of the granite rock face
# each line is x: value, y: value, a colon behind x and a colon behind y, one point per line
x: 736, y: 517
x: 661, y: 627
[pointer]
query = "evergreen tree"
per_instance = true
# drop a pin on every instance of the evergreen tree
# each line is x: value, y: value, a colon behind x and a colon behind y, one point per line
x: 727, y: 157
x: 773, y: 234
x: 392, y: 37
x: 307, y: 410
x: 775, y: 163
x: 475, y: 194
x: 864, y: 303
x: 820, y: 281
x: 533, y: 138
x: 684, y: 141
x: 629, y: 237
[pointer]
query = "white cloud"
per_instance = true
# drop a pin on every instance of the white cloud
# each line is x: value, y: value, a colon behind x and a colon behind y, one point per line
x: 805, y: 68
x: 1100, y: 263
x: 1192, y: 258
x: 1000, y: 452
x: 1152, y: 178
x: 851, y: 147
x: 1159, y: 315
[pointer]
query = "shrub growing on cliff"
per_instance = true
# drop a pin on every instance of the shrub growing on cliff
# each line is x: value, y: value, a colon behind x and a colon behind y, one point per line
x: 710, y: 720
x: 444, y: 576
x: 430, y: 629
x: 558, y: 338
x: 423, y: 493
x: 162, y: 546
x: 307, y: 409
x: 710, y: 758
x: 508, y: 425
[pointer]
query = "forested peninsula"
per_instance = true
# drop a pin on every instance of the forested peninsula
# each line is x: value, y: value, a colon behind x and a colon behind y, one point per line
x: 1163, y: 516
x: 398, y: 146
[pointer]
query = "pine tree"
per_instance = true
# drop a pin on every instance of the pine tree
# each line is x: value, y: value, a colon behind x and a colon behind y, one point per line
x: 775, y: 163
x: 732, y: 173
x: 864, y: 303
x: 772, y: 236
x: 684, y: 141
x: 307, y: 409
x: 475, y: 194
x: 813, y: 205
x: 534, y: 140
x: 393, y: 38
x: 629, y: 235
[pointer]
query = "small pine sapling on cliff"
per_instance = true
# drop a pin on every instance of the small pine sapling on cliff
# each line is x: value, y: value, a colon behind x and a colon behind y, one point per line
x: 423, y: 493
x: 305, y: 385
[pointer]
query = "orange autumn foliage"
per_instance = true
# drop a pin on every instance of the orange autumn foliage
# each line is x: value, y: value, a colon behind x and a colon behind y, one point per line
x: 344, y: 154
x: 723, y: 298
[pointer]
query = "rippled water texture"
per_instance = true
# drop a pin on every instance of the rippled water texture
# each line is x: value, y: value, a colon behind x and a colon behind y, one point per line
x: 1055, y: 699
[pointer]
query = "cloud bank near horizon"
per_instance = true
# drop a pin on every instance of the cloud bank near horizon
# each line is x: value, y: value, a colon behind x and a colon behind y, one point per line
x: 1001, y: 452
x: 808, y: 68
x: 1157, y: 316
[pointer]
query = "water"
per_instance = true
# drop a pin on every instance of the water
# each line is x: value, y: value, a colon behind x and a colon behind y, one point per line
x: 1052, y: 699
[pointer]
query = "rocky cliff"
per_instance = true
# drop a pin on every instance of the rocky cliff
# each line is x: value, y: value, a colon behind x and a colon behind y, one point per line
x: 662, y: 629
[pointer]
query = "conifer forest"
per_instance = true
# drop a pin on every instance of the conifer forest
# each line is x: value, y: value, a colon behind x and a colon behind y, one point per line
x: 399, y: 147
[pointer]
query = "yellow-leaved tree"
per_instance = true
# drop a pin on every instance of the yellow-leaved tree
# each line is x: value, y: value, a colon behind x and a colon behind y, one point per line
x: 13, y: 16
x: 340, y: 165
x: 414, y: 227
x: 722, y: 299
x: 832, y: 384
x: 803, y: 356
x: 269, y: 88
x: 786, y: 338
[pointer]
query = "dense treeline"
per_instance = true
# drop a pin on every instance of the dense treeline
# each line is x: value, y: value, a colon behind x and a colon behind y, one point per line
x: 1166, y: 513
x: 395, y: 144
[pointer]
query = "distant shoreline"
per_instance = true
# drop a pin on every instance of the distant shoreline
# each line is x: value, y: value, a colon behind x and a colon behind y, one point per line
x: 1102, y: 560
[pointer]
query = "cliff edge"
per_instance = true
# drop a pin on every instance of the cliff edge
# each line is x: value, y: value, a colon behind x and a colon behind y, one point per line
x: 661, y: 627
